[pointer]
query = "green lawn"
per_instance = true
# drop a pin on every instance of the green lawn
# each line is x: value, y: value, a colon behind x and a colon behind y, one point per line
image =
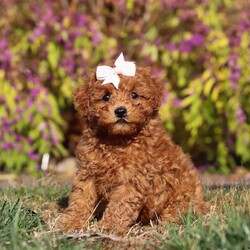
x: 28, y: 216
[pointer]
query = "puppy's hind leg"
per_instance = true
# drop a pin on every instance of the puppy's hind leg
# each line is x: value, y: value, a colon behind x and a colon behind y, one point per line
x: 175, y: 210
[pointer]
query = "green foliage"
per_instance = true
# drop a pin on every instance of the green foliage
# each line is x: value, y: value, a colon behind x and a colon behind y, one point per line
x: 16, y: 222
x: 22, y: 227
x: 234, y: 234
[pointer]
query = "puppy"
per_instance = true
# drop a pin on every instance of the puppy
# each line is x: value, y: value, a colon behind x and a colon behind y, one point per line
x: 126, y: 159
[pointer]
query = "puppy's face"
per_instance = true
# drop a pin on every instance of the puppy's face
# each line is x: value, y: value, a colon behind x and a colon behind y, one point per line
x: 124, y: 111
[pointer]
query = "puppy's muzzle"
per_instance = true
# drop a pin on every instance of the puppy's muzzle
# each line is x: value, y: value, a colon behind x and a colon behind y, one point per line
x: 121, y: 112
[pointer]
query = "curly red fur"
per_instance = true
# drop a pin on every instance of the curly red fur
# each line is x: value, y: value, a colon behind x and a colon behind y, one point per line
x: 131, y: 163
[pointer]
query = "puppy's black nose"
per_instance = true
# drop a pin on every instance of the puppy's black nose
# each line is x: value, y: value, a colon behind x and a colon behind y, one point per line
x: 121, y: 112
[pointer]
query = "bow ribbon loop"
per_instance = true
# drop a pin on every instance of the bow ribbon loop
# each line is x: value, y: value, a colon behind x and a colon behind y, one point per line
x: 110, y: 75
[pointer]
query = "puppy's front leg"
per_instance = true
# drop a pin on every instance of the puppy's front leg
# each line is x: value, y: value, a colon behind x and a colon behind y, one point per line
x: 122, y: 210
x: 82, y: 202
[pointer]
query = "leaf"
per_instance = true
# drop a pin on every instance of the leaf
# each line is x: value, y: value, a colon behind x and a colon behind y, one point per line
x: 215, y: 93
x: 152, y: 33
x: 83, y: 42
x: 188, y: 101
x: 206, y: 75
x: 152, y: 51
x: 34, y: 134
x: 53, y: 54
x: 208, y: 85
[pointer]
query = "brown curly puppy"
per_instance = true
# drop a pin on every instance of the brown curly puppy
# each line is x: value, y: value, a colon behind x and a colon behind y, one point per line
x: 126, y: 159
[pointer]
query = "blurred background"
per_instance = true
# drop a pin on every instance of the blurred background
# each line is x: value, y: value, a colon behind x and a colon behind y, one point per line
x: 199, y: 48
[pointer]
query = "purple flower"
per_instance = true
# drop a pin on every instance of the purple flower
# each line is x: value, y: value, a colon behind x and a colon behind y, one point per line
x: 19, y: 109
x: 30, y: 140
x: 165, y: 96
x: 33, y: 156
x: 81, y: 20
x: 196, y: 40
x: 235, y: 76
x: 31, y: 118
x: 96, y: 38
x: 177, y: 102
x: 35, y: 92
x: 147, y: 59
x: 55, y: 139
x: 53, y: 134
x: 74, y: 34
x: 185, y: 46
x: 158, y: 72
x: 187, y: 15
x: 29, y: 103
x: 38, y: 167
x: 6, y: 146
x: 18, y: 137
x: 2, y: 99
x: 48, y: 16
x: 234, y: 41
x: 7, y: 55
x: 234, y: 84
x: 7, y: 130
x: 39, y: 30
x: 240, y: 115
x: 17, y: 98
x: 188, y: 44
x: 40, y: 107
x: 68, y: 45
x: 3, y: 44
x: 42, y: 126
x: 230, y: 142
x: 122, y: 6
x: 157, y: 41
x: 233, y: 60
x: 174, y: 4
x: 32, y: 79
x: 45, y: 136
x: 70, y: 66
x: 202, y: 29
x: 5, y: 121
x: 170, y: 46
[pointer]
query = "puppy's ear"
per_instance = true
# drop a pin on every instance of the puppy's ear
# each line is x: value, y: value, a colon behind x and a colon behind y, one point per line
x: 156, y: 88
x: 81, y: 99
x: 82, y: 95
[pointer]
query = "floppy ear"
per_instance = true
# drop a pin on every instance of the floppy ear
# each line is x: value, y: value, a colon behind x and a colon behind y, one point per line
x: 82, y: 95
x: 156, y: 88
x: 81, y: 99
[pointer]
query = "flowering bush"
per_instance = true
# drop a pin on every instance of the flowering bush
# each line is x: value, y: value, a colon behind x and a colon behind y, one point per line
x: 201, y: 47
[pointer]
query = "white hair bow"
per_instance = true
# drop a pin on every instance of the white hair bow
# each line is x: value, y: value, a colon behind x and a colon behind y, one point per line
x: 110, y: 75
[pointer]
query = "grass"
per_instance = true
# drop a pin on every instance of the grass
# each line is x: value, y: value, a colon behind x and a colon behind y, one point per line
x: 28, y: 216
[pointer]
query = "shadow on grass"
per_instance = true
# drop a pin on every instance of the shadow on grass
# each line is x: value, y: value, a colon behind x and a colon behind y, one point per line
x: 63, y: 203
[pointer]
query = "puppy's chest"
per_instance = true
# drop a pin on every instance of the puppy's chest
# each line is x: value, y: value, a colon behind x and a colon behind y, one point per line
x: 117, y: 167
x: 112, y: 165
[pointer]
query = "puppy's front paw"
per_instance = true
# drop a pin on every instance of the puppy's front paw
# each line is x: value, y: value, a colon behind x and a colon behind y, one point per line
x: 68, y: 223
x: 112, y: 228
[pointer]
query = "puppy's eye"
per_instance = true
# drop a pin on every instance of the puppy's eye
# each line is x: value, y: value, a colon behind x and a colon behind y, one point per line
x: 106, y: 97
x: 134, y: 95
